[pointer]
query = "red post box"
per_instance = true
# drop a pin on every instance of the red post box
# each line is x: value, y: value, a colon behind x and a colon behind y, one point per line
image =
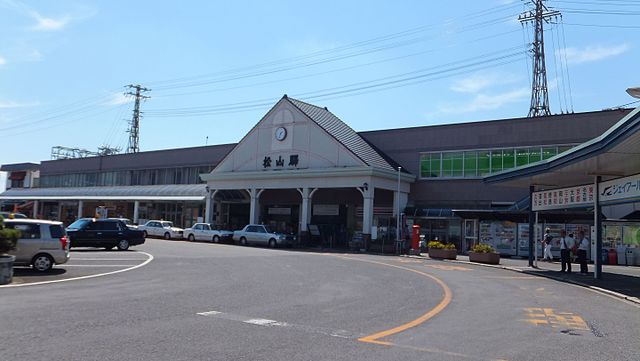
x: 415, y: 237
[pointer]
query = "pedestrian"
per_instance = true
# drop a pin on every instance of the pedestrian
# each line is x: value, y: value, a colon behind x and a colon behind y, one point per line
x: 546, y: 242
x: 583, y: 248
x: 566, y: 244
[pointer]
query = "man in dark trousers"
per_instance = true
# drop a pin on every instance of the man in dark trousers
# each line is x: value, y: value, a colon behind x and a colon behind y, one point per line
x: 566, y: 244
x: 583, y: 248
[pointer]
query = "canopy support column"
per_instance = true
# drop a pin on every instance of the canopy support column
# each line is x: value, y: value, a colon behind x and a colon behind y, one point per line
x: 532, y: 240
x: 136, y: 211
x: 597, y: 223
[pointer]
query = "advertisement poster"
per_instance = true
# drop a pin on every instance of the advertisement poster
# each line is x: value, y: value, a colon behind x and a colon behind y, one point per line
x: 631, y: 235
x: 523, y: 240
x: 499, y: 234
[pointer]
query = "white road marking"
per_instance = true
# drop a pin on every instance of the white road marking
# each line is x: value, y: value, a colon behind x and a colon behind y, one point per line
x: 268, y: 323
x: 93, y: 265
x: 149, y: 259
x: 106, y: 259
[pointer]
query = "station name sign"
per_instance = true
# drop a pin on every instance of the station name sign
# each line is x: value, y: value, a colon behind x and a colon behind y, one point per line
x: 612, y: 191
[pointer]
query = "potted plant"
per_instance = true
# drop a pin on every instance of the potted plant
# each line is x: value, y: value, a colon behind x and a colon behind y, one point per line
x: 484, y: 253
x: 8, y: 240
x: 438, y: 250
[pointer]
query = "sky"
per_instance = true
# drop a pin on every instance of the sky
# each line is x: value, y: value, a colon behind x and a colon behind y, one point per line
x: 216, y: 67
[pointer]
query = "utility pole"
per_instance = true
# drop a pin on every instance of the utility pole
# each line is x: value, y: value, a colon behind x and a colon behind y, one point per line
x: 539, y: 91
x: 134, y: 125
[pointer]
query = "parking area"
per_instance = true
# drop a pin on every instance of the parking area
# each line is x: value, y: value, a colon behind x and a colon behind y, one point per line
x: 84, y: 263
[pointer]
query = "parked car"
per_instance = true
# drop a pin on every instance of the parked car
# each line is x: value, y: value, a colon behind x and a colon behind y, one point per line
x: 104, y: 233
x: 164, y: 229
x: 260, y: 234
x: 128, y: 222
x: 41, y: 245
x: 12, y: 215
x: 207, y: 232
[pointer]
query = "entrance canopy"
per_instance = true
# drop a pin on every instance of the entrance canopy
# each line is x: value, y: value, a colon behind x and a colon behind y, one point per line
x: 169, y: 192
x: 614, y: 154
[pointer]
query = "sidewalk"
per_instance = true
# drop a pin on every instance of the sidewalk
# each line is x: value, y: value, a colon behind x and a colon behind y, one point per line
x: 619, y: 281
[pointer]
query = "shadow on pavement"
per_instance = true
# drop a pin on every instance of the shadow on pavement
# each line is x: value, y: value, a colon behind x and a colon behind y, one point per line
x: 28, y: 272
x: 628, y: 285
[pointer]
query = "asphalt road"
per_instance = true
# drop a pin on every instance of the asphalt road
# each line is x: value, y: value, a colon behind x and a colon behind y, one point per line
x: 198, y: 301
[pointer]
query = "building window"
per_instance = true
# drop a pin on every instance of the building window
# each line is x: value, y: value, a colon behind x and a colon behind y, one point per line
x: 484, y: 162
x: 470, y: 164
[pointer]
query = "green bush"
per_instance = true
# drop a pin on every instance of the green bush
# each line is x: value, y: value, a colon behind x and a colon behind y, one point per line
x: 483, y: 248
x: 450, y: 246
x: 8, y: 238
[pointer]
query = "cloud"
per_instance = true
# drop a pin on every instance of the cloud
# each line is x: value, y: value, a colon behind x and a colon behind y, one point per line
x: 592, y: 53
x: 47, y: 23
x: 118, y: 99
x: 2, y: 60
x: 486, y: 102
x: 481, y: 81
x: 7, y: 104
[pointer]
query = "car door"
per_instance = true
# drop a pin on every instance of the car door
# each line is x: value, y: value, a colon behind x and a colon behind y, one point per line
x: 110, y: 234
x: 196, y: 231
x: 262, y: 235
x: 85, y: 236
x: 30, y: 240
x: 205, y: 232
x: 154, y: 229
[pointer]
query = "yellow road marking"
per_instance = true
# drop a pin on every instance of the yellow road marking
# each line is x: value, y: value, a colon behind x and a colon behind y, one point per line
x: 375, y: 338
x: 448, y: 268
x: 549, y: 317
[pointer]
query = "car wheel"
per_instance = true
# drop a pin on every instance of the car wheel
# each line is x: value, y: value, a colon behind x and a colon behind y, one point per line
x: 167, y: 236
x: 272, y: 243
x: 42, y: 263
x: 144, y: 234
x: 191, y: 238
x: 243, y: 241
x: 123, y: 245
x: 216, y: 239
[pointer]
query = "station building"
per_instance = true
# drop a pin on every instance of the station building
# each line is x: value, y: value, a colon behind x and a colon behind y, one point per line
x: 303, y: 170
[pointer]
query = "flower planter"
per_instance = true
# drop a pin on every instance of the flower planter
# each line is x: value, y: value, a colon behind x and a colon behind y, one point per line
x: 440, y: 253
x: 489, y: 258
x: 6, y: 269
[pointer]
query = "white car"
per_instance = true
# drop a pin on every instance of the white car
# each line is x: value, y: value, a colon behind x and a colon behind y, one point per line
x: 261, y: 234
x: 164, y: 229
x: 206, y: 232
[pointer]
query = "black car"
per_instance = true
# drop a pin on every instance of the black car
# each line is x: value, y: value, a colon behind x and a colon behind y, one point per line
x: 104, y: 233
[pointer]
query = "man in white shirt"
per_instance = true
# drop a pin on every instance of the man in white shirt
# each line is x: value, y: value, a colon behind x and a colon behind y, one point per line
x: 583, y: 248
x: 566, y: 244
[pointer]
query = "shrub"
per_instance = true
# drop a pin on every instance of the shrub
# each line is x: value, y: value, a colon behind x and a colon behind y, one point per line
x: 8, y: 238
x: 435, y: 245
x: 450, y: 246
x: 483, y: 248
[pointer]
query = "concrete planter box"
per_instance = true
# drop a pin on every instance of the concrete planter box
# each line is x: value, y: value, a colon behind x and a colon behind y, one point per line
x: 6, y: 269
x: 438, y: 253
x: 489, y: 258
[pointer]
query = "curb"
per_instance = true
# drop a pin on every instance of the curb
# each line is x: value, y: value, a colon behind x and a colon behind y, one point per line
x: 619, y: 295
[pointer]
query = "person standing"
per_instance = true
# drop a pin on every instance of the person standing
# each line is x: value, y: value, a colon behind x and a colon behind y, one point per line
x: 583, y: 248
x: 566, y: 244
x: 546, y: 241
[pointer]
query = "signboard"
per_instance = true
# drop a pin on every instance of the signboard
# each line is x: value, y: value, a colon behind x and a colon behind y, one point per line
x: 578, y: 196
x: 326, y: 210
x: 620, y: 189
x: 613, y: 191
x: 313, y: 229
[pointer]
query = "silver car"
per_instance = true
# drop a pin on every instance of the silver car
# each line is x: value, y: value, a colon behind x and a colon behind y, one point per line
x: 41, y: 245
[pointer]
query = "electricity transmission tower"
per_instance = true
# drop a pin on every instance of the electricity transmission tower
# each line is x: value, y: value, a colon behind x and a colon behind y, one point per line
x: 539, y: 91
x: 134, y: 125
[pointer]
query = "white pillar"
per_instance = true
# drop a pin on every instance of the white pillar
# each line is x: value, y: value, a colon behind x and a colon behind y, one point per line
x: 136, y: 211
x: 36, y: 205
x: 367, y: 211
x: 80, y: 208
x: 207, y: 208
x: 305, y: 207
x: 253, y: 214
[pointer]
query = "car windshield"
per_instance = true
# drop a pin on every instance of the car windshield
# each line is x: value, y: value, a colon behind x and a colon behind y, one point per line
x: 79, y: 224
x: 167, y: 224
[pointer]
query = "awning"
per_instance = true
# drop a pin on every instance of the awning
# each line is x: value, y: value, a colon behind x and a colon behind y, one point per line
x: 523, y: 217
x: 614, y: 154
x: 169, y: 192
